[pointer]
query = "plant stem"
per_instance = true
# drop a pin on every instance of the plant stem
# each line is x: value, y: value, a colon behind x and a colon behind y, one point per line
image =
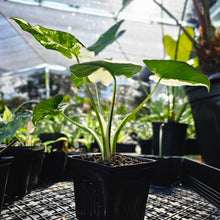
x: 173, y: 103
x: 111, y: 116
x: 47, y: 82
x: 182, y: 109
x: 160, y: 141
x: 98, y: 99
x: 129, y: 116
x: 77, y: 59
x: 24, y: 103
x: 172, y: 107
x: 1, y: 151
x: 106, y: 151
x: 85, y: 128
x: 168, y: 103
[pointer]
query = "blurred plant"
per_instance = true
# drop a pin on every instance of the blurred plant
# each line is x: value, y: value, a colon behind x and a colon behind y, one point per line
x: 12, y: 126
x: 141, y: 127
x: 12, y: 103
x: 205, y: 46
x: 163, y: 108
x: 82, y: 138
x: 174, y: 104
x: 25, y: 135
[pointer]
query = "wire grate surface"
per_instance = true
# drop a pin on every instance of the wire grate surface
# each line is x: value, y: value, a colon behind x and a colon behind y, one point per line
x: 56, y: 201
x: 178, y: 203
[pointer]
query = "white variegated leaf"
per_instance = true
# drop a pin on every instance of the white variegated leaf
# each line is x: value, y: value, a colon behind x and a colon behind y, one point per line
x: 101, y: 75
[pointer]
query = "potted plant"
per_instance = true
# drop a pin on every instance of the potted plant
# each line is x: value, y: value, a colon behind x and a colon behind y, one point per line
x: 168, y: 115
x: 104, y: 188
x: 204, y: 44
x: 52, y: 136
x: 170, y: 126
x: 16, y: 132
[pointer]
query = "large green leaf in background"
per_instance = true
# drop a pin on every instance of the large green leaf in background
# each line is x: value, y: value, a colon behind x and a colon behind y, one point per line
x: 176, y: 73
x: 185, y: 46
x: 49, y: 107
x: 114, y: 68
x: 8, y: 130
x: 62, y: 42
x: 107, y: 38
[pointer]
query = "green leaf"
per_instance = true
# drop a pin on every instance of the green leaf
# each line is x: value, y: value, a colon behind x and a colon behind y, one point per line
x: 49, y: 107
x: 125, y: 3
x: 185, y: 46
x: 176, y: 73
x: 114, y: 68
x: 62, y: 42
x: 107, y: 38
x: 46, y: 143
x: 7, y: 115
x: 9, y: 129
x: 77, y: 81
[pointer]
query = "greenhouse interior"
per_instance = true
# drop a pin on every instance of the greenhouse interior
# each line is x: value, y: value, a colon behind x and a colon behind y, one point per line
x: 109, y: 110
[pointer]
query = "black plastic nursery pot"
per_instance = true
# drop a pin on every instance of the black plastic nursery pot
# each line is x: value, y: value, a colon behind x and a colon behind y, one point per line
x: 36, y: 167
x: 20, y: 175
x: 52, y: 137
x: 5, y: 163
x: 145, y: 145
x: 206, y: 113
x: 173, y: 138
x: 166, y: 170
x: 126, y: 147
x: 54, y: 165
x: 200, y: 177
x: 110, y: 193
x: 191, y: 147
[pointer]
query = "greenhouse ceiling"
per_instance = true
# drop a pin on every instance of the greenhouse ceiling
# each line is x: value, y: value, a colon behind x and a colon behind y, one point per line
x: 86, y: 20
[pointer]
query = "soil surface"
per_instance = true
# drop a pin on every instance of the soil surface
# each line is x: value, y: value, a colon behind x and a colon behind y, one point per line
x: 115, y: 160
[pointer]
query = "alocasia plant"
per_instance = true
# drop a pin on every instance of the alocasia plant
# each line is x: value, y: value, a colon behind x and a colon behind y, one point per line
x: 106, y: 72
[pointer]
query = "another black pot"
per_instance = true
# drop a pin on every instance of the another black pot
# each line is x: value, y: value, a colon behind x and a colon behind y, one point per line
x: 191, y: 147
x: 36, y: 167
x: 5, y: 163
x: 125, y: 148
x: 166, y: 171
x: 57, y: 146
x: 206, y: 113
x: 107, y: 193
x: 146, y: 146
x: 20, y: 171
x: 173, y: 138
x: 54, y: 166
